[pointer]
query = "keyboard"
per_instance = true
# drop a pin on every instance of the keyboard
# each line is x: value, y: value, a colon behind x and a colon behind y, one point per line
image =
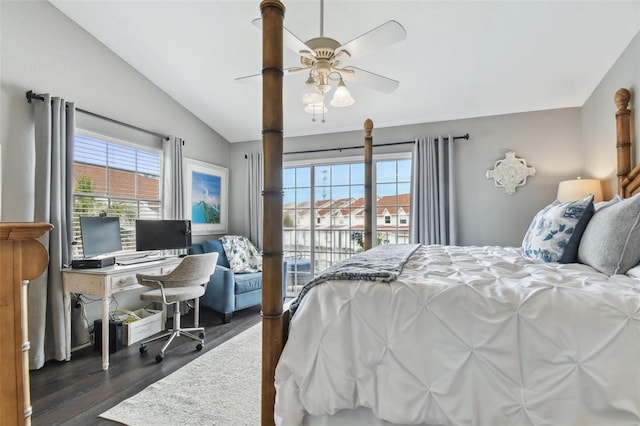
x: 136, y: 260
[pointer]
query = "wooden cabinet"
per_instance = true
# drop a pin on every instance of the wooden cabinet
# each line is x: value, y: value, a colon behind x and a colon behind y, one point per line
x: 22, y: 258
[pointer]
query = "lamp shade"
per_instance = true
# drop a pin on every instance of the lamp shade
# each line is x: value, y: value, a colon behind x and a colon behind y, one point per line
x: 576, y: 189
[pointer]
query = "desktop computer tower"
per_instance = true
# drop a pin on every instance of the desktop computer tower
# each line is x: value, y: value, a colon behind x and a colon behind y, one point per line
x: 93, y: 263
x: 116, y: 335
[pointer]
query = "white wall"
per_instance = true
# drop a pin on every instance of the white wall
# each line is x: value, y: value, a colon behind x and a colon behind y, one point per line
x: 547, y: 140
x: 42, y: 50
x: 599, y: 123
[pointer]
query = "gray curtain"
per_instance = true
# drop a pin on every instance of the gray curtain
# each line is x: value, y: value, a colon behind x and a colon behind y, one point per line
x: 253, y: 212
x: 53, y: 203
x: 173, y: 188
x: 433, y: 209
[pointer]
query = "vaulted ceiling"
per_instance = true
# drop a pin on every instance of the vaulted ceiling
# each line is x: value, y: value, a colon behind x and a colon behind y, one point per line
x: 460, y: 59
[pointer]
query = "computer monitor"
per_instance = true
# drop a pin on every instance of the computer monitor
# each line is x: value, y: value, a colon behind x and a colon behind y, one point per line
x: 100, y: 235
x: 163, y: 234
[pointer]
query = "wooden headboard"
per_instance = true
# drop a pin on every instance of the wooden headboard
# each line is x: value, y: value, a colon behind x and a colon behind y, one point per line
x: 628, y: 180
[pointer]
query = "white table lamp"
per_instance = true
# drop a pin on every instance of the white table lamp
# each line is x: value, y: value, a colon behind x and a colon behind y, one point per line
x: 576, y: 189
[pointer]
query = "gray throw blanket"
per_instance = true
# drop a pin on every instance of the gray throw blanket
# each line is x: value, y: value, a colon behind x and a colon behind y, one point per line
x: 381, y: 263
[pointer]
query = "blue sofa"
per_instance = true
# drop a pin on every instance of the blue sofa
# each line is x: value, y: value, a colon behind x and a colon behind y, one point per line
x: 228, y: 292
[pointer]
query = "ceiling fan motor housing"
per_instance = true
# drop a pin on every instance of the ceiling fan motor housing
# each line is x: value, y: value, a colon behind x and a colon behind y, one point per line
x: 324, y: 49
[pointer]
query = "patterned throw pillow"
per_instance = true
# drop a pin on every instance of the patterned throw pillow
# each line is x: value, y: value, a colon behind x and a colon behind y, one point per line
x: 555, y: 232
x: 243, y: 256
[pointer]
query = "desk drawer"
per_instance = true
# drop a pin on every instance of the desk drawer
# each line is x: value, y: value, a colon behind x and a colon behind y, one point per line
x: 128, y: 279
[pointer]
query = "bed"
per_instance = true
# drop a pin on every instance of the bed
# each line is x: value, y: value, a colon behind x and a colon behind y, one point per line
x: 414, y: 334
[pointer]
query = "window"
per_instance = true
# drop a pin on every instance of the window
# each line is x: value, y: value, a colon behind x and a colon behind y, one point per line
x: 117, y: 179
x: 333, y: 194
x: 393, y: 190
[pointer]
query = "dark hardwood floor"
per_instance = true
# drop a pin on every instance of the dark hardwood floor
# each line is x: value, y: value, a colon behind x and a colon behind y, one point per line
x: 76, y: 392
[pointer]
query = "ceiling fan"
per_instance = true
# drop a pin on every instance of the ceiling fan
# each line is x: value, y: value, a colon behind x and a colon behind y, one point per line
x: 323, y: 58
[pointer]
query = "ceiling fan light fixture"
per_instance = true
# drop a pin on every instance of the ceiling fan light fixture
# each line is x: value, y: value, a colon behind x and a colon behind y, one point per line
x: 312, y: 94
x: 316, y: 108
x: 342, y: 97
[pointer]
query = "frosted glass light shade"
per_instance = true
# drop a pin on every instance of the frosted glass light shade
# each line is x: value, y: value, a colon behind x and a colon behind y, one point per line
x: 312, y: 94
x: 576, y: 189
x: 316, y: 108
x: 342, y: 97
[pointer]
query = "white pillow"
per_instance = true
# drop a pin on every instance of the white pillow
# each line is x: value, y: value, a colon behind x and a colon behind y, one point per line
x: 611, y: 242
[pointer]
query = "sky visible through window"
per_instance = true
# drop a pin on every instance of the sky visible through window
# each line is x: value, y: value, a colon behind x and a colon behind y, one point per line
x: 343, y: 181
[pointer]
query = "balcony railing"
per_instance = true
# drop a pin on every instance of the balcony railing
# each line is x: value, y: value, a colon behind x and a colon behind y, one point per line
x: 330, y: 246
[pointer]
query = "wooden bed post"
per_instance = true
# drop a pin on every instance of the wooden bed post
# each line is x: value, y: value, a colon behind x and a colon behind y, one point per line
x: 623, y: 136
x: 272, y: 135
x: 368, y: 155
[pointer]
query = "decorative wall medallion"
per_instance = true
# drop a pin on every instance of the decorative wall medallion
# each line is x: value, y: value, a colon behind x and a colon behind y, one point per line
x: 510, y: 172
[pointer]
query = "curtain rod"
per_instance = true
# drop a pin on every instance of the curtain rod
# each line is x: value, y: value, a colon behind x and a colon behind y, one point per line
x: 30, y: 96
x: 466, y: 137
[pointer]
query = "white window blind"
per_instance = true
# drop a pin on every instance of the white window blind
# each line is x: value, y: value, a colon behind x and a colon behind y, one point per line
x: 116, y: 179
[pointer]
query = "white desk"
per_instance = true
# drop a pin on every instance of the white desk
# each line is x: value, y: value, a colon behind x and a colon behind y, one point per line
x: 104, y: 282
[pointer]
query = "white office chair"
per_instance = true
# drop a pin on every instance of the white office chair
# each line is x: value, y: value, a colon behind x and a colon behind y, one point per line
x: 186, y: 282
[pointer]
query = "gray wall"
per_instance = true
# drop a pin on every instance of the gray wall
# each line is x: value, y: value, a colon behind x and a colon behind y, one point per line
x: 547, y: 140
x: 560, y: 144
x: 43, y: 50
x: 598, y: 118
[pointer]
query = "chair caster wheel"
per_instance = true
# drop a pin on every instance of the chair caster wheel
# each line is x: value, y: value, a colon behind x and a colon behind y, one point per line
x: 201, y: 335
x: 159, y: 358
x: 143, y: 349
x: 199, y: 347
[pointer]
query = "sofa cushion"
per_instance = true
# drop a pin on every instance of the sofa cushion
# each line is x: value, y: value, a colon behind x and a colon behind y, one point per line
x: 216, y: 246
x: 248, y: 282
x: 196, y: 248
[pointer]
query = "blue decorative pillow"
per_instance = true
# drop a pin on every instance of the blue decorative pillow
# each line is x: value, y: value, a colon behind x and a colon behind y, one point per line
x: 555, y: 232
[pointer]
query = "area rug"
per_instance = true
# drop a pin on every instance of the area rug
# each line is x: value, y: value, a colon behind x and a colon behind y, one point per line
x: 221, y: 387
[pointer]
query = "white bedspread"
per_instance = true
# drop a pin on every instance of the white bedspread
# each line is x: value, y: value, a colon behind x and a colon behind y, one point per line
x: 468, y: 336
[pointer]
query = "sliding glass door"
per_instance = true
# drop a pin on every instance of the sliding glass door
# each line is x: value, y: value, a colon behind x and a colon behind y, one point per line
x: 323, y: 217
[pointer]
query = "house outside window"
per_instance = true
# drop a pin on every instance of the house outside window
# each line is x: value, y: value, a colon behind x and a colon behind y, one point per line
x: 334, y: 195
x: 118, y: 179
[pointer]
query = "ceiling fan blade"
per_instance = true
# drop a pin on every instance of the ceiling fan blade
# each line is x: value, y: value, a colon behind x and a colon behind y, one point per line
x: 386, y: 34
x: 250, y: 79
x: 371, y: 80
x: 290, y: 40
